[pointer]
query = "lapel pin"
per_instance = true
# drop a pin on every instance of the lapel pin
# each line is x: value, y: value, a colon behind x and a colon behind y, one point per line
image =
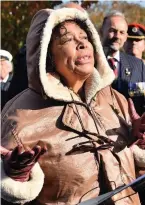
x: 127, y: 72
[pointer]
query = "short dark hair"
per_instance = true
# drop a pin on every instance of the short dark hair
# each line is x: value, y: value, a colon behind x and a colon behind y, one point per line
x: 82, y: 24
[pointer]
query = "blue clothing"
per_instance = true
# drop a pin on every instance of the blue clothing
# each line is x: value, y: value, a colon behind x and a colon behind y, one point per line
x: 131, y: 74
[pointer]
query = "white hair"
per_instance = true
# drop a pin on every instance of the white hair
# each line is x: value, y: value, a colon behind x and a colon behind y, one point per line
x: 113, y: 13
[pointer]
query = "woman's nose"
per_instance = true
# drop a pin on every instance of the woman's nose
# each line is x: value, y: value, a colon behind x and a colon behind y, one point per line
x: 81, y: 45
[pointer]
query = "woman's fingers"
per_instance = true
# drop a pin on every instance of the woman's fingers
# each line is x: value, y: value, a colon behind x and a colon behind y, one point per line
x: 43, y: 150
x: 23, y: 157
x: 26, y: 157
x: 3, y: 151
x: 16, y: 153
x: 132, y: 110
x: 142, y: 127
x: 143, y: 118
x: 140, y: 135
x: 31, y: 155
x: 39, y: 151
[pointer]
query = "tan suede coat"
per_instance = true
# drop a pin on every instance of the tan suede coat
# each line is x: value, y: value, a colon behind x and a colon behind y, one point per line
x: 73, y: 176
x: 75, y: 168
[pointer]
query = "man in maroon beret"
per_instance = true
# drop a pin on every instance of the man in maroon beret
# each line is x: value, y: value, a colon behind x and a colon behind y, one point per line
x: 135, y: 44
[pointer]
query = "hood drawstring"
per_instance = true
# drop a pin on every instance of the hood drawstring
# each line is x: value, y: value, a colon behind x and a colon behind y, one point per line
x: 107, y: 143
x: 90, y: 146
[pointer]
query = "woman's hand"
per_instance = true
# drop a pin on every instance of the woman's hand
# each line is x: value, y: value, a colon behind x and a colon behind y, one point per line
x: 138, y: 125
x: 18, y: 163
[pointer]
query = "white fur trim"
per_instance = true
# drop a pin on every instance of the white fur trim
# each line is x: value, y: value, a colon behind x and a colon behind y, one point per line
x: 21, y: 192
x: 102, y: 76
x: 139, y: 156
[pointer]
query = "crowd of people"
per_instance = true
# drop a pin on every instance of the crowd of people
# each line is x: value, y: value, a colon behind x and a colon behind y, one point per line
x: 129, y: 70
x: 74, y: 133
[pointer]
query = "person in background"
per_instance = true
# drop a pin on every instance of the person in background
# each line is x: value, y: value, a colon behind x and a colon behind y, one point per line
x: 20, y: 79
x: 20, y: 68
x: 6, y: 75
x: 135, y: 44
x: 67, y: 138
x: 129, y: 70
x: 72, y: 5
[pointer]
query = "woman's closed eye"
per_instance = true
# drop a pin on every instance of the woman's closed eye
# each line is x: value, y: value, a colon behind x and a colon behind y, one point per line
x: 66, y: 38
x: 70, y: 38
x: 84, y: 37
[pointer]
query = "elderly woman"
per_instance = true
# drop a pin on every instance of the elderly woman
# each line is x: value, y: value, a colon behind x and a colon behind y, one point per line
x: 71, y: 111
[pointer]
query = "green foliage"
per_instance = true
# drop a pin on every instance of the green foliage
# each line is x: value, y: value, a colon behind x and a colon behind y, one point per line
x: 17, y: 15
x: 15, y: 21
x: 98, y: 9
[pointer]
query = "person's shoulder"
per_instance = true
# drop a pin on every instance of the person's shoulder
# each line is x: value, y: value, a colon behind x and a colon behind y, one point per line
x: 24, y: 100
x: 30, y: 100
x: 130, y: 57
x: 132, y: 60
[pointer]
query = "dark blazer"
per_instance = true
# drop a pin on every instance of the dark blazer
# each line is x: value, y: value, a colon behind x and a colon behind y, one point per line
x: 131, y: 70
x: 5, y: 90
x: 20, y: 80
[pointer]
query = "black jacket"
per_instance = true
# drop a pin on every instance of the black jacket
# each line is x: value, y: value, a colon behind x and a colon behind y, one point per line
x: 5, y: 90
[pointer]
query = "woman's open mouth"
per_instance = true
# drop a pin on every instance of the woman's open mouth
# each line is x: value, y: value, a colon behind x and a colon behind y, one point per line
x: 83, y: 60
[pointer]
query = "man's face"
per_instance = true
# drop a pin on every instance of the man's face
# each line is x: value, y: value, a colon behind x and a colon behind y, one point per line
x: 135, y: 47
x: 5, y: 68
x: 114, y: 33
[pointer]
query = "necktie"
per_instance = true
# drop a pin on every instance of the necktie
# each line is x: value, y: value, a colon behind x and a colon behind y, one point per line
x: 111, y: 62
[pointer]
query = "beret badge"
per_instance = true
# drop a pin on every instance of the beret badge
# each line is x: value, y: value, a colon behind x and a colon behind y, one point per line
x: 135, y: 29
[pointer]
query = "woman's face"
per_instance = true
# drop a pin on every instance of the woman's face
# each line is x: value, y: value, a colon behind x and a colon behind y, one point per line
x: 73, y: 54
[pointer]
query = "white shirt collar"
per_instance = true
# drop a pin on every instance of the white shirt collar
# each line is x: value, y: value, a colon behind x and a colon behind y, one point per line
x: 117, y: 56
x: 5, y: 79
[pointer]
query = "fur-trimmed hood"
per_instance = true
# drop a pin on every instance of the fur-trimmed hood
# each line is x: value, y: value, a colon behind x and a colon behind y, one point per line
x: 38, y: 40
